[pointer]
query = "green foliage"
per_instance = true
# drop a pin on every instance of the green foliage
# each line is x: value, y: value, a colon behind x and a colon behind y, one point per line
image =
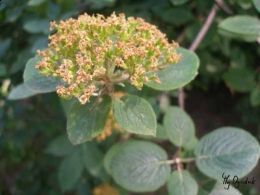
x: 241, y: 27
x: 37, y: 83
x: 111, y: 153
x: 60, y: 146
x: 214, y: 188
x: 257, y: 4
x: 81, y: 128
x: 135, y: 115
x: 138, y: 166
x: 35, y: 2
x: 179, y: 2
x: 92, y: 158
x: 70, y: 171
x: 38, y: 157
x: 182, y: 183
x: 179, y: 127
x: 177, y: 75
x: 255, y: 97
x: 20, y: 92
x: 227, y: 150
x: 240, y: 79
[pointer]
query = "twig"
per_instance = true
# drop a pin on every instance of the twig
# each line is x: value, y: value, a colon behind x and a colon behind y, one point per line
x: 204, y: 28
x: 181, y: 97
x: 196, y: 43
x: 224, y: 7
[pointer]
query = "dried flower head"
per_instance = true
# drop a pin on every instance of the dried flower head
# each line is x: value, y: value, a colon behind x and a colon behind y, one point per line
x: 92, y: 53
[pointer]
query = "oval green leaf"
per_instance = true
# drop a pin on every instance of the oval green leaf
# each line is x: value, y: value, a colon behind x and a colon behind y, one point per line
x: 111, y: 153
x: 179, y: 127
x: 35, y: 2
x: 240, y: 79
x: 182, y: 183
x: 70, y: 171
x: 241, y: 27
x: 217, y: 188
x: 37, y: 25
x: 92, y: 158
x: 178, y: 2
x: 37, y: 83
x: 60, y: 146
x: 227, y: 150
x: 177, y: 75
x: 20, y: 92
x: 135, y: 115
x: 257, y: 5
x: 87, y: 121
x: 139, y: 167
x: 161, y: 134
x: 255, y: 97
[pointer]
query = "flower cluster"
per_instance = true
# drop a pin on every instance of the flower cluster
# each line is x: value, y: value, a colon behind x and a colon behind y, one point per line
x: 92, y: 53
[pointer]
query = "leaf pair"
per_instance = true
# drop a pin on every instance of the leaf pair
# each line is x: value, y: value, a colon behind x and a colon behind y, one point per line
x: 132, y: 113
x: 142, y: 166
x: 76, y: 158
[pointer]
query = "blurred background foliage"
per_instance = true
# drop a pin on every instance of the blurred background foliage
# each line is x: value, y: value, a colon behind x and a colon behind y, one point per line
x: 35, y: 155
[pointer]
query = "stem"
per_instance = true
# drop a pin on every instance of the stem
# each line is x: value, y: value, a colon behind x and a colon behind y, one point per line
x: 178, y: 161
x: 196, y: 43
x: 188, y: 160
x: 181, y: 98
x: 204, y: 28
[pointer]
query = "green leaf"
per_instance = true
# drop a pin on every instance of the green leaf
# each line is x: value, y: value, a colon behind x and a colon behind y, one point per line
x: 246, y: 38
x: 93, y: 160
x: 67, y: 104
x: 245, y: 4
x: 161, y: 134
x: 179, y: 127
x: 111, y: 153
x: 39, y: 44
x: 87, y: 121
x: 139, y: 167
x: 192, y: 144
x: 178, y: 2
x: 4, y: 46
x: 37, y: 26
x: 20, y: 92
x: 53, y: 10
x: 207, y: 187
x: 12, y: 14
x: 176, y: 15
x: 177, y: 75
x: 182, y: 183
x: 35, y: 2
x: 60, y: 146
x: 3, y: 71
x: 228, y: 150
x: 70, y: 171
x: 219, y: 188
x: 241, y: 27
x: 37, y: 83
x: 257, y: 5
x: 135, y: 115
x: 255, y: 97
x: 240, y: 79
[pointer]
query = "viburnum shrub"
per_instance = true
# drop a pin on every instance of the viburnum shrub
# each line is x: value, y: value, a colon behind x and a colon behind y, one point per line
x: 93, y: 61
